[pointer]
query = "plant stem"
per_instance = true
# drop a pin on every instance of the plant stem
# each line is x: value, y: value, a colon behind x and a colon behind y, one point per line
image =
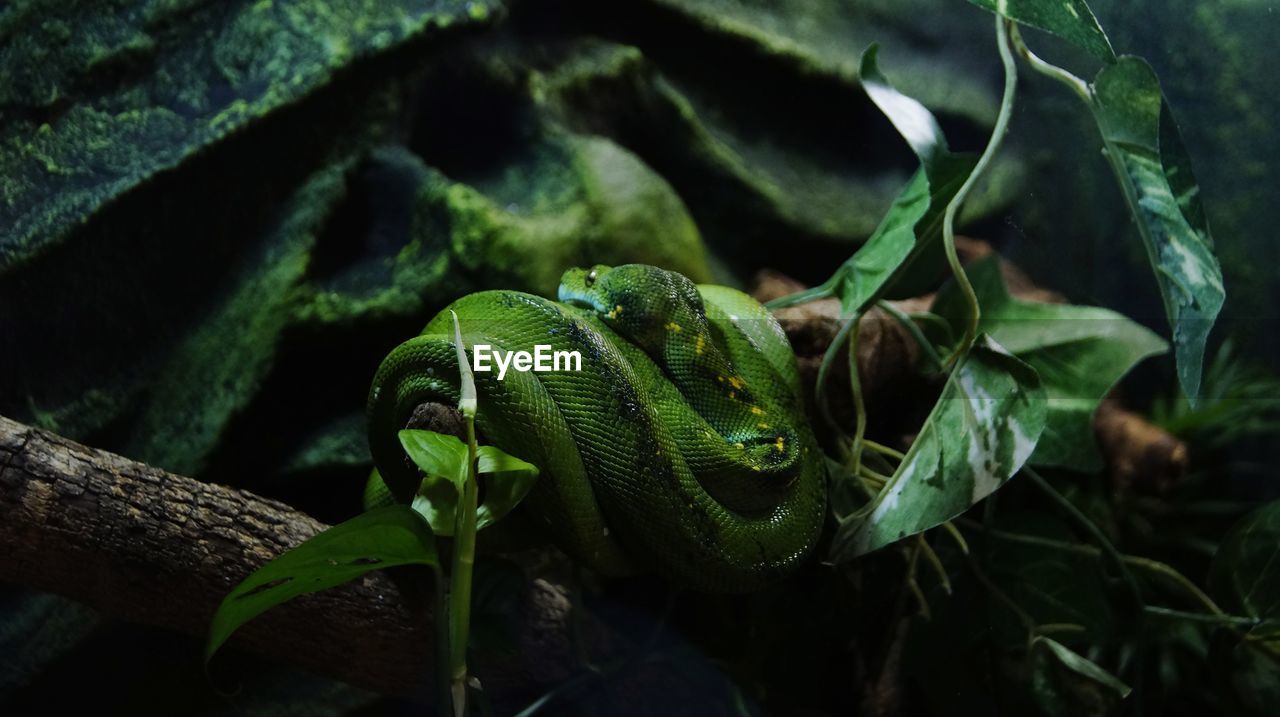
x: 1201, y: 617
x: 883, y: 449
x: 1023, y: 616
x: 464, y: 558
x: 824, y: 370
x: 1109, y: 550
x: 905, y: 321
x: 934, y: 319
x: 1104, y: 544
x: 912, y: 555
x: 872, y: 475
x: 953, y: 207
x: 855, y: 391
x: 1151, y: 566
x: 1077, y: 85
x: 1055, y: 627
x: 956, y: 536
x: 935, y: 562
x: 443, y: 674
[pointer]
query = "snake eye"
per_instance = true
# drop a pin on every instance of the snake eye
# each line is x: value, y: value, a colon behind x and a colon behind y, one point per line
x: 591, y: 277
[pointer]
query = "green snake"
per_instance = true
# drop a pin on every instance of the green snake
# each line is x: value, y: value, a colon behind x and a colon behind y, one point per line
x: 680, y: 446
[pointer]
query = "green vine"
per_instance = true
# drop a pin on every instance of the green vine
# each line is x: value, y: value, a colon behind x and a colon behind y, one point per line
x: 949, y: 216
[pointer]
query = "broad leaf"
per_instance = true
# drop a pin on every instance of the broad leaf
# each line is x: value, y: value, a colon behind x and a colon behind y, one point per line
x: 1080, y: 352
x: 908, y: 230
x: 912, y: 120
x: 436, y: 454
x: 443, y: 462
x: 381, y: 538
x: 437, y: 501
x: 1161, y: 192
x: 491, y: 459
x: 506, y: 480
x: 983, y: 428
x: 1072, y: 20
x: 1081, y: 665
x: 915, y: 219
x: 1245, y: 576
x: 1254, y: 672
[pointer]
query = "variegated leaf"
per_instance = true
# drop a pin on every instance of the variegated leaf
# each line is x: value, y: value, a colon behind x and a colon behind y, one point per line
x: 983, y: 428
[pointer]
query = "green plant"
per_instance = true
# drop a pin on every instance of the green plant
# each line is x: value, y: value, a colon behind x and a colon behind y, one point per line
x: 1024, y: 379
x: 399, y: 534
x: 1022, y: 383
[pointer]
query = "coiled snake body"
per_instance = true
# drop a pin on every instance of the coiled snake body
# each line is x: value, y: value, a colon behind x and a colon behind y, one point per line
x: 680, y: 446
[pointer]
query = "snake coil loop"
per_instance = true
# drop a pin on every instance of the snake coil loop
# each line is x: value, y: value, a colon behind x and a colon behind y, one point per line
x: 680, y: 446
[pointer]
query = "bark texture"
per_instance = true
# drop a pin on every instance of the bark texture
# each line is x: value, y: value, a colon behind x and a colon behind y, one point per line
x: 157, y: 548
x: 148, y: 546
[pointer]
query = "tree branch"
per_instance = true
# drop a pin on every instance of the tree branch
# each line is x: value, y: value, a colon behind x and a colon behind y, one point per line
x: 151, y: 547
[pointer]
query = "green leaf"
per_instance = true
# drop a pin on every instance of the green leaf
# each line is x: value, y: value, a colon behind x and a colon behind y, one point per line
x: 443, y: 462
x: 1245, y: 575
x: 381, y: 538
x: 912, y: 120
x: 1155, y: 173
x: 1080, y: 665
x: 1052, y: 586
x: 1266, y: 637
x: 507, y: 480
x: 436, y: 454
x: 981, y: 431
x: 491, y: 459
x: 1072, y: 20
x: 1239, y: 400
x: 913, y: 222
x: 1079, y: 352
x: 911, y: 227
x: 1255, y: 675
x: 437, y: 501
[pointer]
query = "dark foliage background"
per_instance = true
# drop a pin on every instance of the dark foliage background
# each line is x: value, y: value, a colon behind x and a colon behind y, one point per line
x: 217, y: 217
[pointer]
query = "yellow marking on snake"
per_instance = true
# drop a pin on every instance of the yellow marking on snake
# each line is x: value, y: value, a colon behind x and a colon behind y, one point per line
x: 674, y: 327
x: 697, y: 348
x: 704, y: 547
x: 762, y: 425
x: 757, y: 410
x: 780, y: 444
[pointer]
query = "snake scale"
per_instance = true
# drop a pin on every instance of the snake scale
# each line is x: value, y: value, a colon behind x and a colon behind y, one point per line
x: 680, y: 446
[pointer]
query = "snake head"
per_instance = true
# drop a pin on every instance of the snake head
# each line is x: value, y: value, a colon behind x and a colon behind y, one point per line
x: 587, y: 288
